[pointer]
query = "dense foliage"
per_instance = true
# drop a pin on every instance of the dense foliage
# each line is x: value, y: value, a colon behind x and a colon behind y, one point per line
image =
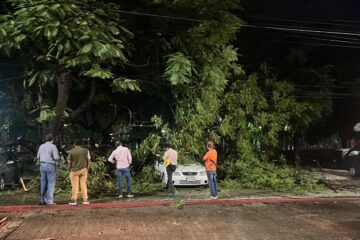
x: 65, y: 43
x: 192, y: 87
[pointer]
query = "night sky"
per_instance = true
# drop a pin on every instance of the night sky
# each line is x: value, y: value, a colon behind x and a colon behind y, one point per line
x: 305, y: 9
x: 332, y: 15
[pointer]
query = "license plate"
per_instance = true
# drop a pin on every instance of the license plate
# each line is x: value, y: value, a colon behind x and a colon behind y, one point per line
x: 190, y: 179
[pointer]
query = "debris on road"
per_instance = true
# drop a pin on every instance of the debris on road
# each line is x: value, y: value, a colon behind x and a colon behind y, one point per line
x: 50, y: 238
x: 3, y: 220
x: 23, y: 184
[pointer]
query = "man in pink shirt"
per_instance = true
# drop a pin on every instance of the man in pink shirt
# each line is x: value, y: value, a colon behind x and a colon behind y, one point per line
x: 170, y: 169
x: 121, y: 156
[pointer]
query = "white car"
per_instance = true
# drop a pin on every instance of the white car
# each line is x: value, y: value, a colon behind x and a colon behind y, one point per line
x: 185, y: 175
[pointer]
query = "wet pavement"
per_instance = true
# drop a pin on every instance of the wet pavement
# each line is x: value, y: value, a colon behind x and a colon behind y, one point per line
x: 238, y: 214
x: 301, y: 221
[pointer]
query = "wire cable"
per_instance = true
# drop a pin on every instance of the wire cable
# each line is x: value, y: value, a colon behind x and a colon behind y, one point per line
x: 333, y: 37
x: 331, y: 40
x: 165, y: 16
x: 301, y: 21
x: 283, y: 28
x: 301, y: 30
x: 279, y: 28
x: 11, y: 78
x: 318, y: 44
x: 332, y: 20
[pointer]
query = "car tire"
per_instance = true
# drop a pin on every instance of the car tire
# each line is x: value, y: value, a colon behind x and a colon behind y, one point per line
x: 353, y: 171
x: 2, y: 183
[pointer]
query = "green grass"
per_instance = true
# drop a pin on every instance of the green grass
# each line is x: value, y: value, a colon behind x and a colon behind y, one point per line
x: 20, y: 197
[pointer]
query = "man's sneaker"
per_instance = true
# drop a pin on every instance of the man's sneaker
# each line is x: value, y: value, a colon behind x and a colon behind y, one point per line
x: 171, y: 190
x: 85, y: 202
x: 120, y: 196
x: 130, y: 195
x: 216, y: 197
x: 73, y: 202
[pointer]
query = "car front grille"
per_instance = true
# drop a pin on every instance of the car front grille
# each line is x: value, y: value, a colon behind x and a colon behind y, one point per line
x: 197, y: 182
x: 189, y: 173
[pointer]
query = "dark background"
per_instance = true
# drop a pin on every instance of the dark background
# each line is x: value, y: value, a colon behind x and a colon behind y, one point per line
x: 341, y: 51
x: 257, y: 45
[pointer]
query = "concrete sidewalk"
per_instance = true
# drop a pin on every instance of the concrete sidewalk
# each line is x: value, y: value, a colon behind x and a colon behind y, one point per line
x: 346, y: 189
x: 330, y: 218
x: 239, y: 212
x: 178, y: 203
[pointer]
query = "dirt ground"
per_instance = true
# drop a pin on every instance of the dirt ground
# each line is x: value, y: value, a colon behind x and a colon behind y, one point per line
x: 328, y: 221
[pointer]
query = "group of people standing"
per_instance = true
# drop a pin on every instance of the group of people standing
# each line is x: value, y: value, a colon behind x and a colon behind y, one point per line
x: 209, y: 161
x: 78, y: 161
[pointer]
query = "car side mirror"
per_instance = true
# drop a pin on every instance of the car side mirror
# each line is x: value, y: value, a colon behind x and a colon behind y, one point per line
x: 10, y: 162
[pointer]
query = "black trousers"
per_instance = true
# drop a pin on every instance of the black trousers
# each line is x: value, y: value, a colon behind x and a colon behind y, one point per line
x: 169, y: 170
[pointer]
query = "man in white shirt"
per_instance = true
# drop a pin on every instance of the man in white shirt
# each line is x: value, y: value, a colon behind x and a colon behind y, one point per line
x: 121, y: 156
x: 48, y: 155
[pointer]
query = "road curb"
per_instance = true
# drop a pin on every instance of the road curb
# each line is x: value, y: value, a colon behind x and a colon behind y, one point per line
x: 62, y: 207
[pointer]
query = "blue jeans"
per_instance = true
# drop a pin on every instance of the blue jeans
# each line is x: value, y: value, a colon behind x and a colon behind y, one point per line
x: 211, y: 175
x: 47, y: 182
x: 170, y: 170
x: 124, y: 172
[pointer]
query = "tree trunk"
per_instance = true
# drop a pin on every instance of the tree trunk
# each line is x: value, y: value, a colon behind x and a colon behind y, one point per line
x: 85, y: 105
x: 63, y: 85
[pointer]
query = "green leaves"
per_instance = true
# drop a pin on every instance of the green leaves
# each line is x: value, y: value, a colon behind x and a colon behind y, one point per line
x: 97, y: 72
x: 178, y: 204
x: 179, y: 69
x: 46, y: 114
x: 41, y: 77
x: 157, y: 120
x: 74, y: 33
x: 122, y: 84
x: 87, y: 48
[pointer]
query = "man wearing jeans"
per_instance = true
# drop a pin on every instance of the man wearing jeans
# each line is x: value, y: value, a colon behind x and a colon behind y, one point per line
x: 210, y: 160
x: 172, y: 155
x: 78, y: 163
x: 122, y: 157
x: 48, y: 155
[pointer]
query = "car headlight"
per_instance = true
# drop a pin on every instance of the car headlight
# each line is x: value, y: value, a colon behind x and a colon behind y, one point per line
x: 202, y: 173
x: 176, y: 174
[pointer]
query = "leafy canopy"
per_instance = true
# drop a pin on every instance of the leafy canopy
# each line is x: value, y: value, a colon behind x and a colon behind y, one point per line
x: 83, y: 36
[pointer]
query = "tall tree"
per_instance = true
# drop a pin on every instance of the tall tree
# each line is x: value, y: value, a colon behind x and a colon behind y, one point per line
x: 62, y: 43
x: 200, y: 63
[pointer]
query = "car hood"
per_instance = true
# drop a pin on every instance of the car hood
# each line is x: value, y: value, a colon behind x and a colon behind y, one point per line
x: 190, y: 168
x: 344, y: 151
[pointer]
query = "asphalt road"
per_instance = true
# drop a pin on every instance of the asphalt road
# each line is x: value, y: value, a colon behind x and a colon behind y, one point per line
x: 324, y: 220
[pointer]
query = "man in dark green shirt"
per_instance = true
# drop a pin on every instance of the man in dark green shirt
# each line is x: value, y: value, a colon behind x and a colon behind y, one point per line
x: 78, y: 163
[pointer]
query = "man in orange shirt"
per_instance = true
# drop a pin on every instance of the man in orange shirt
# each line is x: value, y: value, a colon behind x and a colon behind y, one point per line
x: 210, y: 160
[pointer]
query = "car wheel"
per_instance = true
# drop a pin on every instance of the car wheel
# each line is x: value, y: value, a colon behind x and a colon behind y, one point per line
x: 353, y: 171
x: 2, y: 183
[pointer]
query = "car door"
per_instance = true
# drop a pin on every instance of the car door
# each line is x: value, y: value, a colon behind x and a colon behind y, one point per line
x: 352, y: 156
x: 9, y: 164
